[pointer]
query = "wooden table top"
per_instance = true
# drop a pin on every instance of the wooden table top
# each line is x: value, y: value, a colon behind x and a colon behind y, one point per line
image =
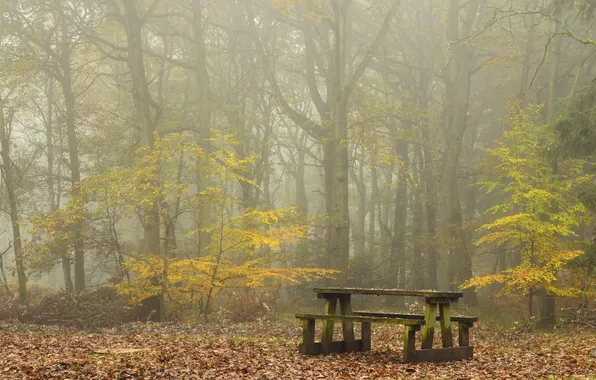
x: 390, y: 292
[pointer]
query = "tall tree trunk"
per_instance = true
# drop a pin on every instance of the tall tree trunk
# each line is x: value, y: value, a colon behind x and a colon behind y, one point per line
x: 546, y: 309
x: 338, y: 244
x: 73, y: 153
x: 457, y: 91
x: 203, y: 98
x: 145, y: 118
x: 301, y: 199
x: 374, y: 203
x: 147, y: 115
x: 8, y: 172
x: 397, y: 273
x: 65, y: 259
x: 525, y: 76
x: 417, y: 220
x: 384, y: 225
x: 359, y: 226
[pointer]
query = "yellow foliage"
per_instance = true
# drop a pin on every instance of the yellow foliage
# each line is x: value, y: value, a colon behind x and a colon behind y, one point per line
x: 540, y: 209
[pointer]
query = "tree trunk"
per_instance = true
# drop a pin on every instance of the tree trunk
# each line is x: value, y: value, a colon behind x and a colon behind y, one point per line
x: 457, y: 92
x: 11, y: 191
x: 145, y: 119
x: 397, y: 263
x: 359, y: 227
x: 203, y: 98
x: 374, y: 204
x: 65, y: 260
x: 73, y: 153
x: 301, y: 199
x: 417, y: 220
x: 546, y: 309
x: 147, y: 116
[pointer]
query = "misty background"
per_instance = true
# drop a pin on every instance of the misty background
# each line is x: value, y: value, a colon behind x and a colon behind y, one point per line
x: 188, y: 150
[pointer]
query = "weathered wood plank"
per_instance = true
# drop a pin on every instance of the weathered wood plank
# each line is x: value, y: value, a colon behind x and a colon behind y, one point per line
x: 454, y: 318
x: 409, y: 341
x: 428, y: 332
x: 345, y: 308
x: 308, y: 336
x: 446, y: 300
x: 441, y: 354
x: 464, y: 334
x: 356, y: 318
x: 328, y: 324
x: 323, y: 292
x: 445, y: 322
x: 366, y: 335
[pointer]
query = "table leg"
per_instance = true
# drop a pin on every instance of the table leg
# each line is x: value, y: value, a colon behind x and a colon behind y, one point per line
x: 366, y: 336
x: 308, y: 337
x: 345, y: 307
x: 464, y: 334
x: 446, y: 334
x: 327, y: 338
x: 428, y: 332
x: 410, y: 342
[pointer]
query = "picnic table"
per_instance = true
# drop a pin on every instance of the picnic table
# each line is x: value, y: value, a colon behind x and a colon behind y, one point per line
x: 440, y: 301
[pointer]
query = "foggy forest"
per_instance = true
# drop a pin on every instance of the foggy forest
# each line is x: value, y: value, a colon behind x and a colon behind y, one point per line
x: 177, y: 176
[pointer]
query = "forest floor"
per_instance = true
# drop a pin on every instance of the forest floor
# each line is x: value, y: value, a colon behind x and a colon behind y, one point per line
x: 268, y: 350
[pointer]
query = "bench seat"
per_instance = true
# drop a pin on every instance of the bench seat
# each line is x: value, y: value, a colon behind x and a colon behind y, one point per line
x: 454, y: 318
x: 465, y: 323
x: 363, y: 318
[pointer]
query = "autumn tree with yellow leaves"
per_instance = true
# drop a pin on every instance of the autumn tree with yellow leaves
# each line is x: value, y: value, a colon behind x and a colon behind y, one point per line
x: 246, y: 243
x: 539, y: 209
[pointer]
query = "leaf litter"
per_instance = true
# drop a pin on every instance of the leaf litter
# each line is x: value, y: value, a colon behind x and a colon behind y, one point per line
x: 268, y: 350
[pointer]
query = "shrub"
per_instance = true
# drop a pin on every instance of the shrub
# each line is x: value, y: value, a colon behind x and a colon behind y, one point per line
x: 100, y: 308
x: 250, y: 306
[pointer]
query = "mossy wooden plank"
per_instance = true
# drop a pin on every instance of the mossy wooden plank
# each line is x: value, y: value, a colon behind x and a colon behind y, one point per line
x: 356, y: 318
x: 445, y: 322
x: 454, y: 318
x: 324, y: 292
x: 428, y: 332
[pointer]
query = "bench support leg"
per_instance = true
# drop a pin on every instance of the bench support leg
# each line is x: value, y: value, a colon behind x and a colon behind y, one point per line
x: 446, y: 334
x: 410, y: 342
x: 464, y: 334
x: 366, y: 336
x: 308, y: 337
x: 328, y: 325
x: 428, y: 332
x: 345, y: 308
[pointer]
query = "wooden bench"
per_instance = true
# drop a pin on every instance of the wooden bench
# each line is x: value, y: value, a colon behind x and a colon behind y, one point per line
x: 436, y: 301
x: 349, y: 344
x: 464, y: 323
